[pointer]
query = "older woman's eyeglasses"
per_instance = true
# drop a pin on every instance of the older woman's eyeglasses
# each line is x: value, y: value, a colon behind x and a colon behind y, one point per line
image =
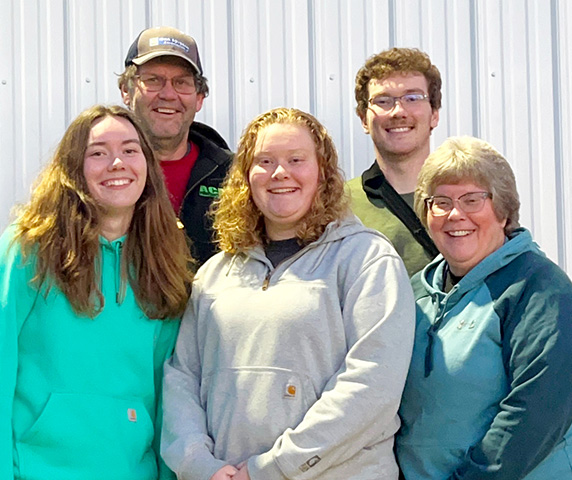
x: 472, y: 202
x: 155, y: 83
x: 409, y: 100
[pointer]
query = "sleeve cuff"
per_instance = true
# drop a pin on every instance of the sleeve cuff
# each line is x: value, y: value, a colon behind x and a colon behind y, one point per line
x: 199, y: 465
x: 264, y: 467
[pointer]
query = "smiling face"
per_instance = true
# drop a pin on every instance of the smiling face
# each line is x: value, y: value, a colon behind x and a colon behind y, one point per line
x: 284, y: 177
x: 166, y: 115
x: 115, y: 167
x: 465, y: 239
x: 402, y: 132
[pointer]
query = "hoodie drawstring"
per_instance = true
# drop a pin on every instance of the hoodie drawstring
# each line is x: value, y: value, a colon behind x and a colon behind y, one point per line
x: 119, y: 284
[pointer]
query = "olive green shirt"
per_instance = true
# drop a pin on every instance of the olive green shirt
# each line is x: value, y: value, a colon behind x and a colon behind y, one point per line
x: 372, y: 210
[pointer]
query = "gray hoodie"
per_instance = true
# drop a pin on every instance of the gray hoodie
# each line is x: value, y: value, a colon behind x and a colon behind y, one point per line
x: 297, y: 369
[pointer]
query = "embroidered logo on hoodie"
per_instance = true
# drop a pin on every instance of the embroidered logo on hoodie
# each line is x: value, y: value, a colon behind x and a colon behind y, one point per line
x: 209, y: 192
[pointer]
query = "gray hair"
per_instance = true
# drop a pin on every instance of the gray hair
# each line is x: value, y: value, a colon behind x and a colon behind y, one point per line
x: 469, y: 159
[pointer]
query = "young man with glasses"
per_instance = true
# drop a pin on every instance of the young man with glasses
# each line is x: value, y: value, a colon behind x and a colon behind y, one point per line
x: 163, y: 84
x: 398, y: 94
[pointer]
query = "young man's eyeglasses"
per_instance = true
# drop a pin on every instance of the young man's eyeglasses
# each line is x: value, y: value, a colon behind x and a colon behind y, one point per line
x: 471, y: 202
x: 155, y: 83
x: 386, y: 102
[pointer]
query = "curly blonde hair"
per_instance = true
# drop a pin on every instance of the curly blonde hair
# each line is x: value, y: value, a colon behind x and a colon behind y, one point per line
x: 60, y: 226
x: 238, y: 222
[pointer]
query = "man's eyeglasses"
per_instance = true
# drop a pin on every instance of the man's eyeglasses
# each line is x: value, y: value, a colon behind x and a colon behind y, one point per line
x: 386, y: 102
x: 155, y: 83
x: 471, y: 202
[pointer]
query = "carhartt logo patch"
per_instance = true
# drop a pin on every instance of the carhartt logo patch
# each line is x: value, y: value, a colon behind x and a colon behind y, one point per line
x: 290, y: 391
x: 132, y: 414
x: 209, y: 192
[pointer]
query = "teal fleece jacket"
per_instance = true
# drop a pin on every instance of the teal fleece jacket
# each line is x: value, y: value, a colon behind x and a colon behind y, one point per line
x: 489, y: 391
x: 297, y: 369
x: 78, y: 396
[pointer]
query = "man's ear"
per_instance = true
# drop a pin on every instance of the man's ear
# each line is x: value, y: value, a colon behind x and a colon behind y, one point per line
x: 364, y: 124
x: 125, y: 95
x: 199, y: 103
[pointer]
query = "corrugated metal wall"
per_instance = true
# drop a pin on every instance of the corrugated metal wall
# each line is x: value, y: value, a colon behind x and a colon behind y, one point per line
x: 506, y: 67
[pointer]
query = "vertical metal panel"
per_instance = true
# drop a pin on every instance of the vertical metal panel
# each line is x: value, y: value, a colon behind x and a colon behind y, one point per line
x: 272, y: 59
x: 250, y: 36
x: 83, y: 28
x: 8, y: 151
x: 542, y: 158
x: 51, y: 77
x: 32, y: 77
x: 373, y: 30
x: 346, y: 33
x: 329, y: 58
x: 219, y: 109
x: 519, y: 116
x: 27, y: 77
x: 506, y: 67
x: 366, y: 32
x: 564, y: 99
x: 449, y: 45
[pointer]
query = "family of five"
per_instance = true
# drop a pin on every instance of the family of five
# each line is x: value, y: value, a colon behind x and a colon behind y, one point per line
x: 169, y: 310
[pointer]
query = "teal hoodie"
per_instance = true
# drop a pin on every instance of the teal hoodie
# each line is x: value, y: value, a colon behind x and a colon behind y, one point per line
x: 78, y: 396
x: 489, y: 390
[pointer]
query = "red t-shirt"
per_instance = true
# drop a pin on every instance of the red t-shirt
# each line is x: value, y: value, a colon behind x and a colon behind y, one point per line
x: 177, y: 174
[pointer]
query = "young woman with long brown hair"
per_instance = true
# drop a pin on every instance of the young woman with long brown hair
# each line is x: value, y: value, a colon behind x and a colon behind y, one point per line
x: 93, y: 276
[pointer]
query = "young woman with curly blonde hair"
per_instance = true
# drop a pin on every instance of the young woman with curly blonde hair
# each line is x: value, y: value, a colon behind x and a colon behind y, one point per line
x: 294, y: 349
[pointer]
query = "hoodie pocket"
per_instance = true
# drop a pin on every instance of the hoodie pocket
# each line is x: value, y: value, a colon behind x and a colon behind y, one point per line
x: 248, y: 408
x: 87, y: 436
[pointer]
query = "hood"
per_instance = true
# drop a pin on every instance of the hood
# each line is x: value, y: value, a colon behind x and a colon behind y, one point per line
x: 209, y: 133
x: 336, y: 230
x: 349, y: 225
x: 316, y: 255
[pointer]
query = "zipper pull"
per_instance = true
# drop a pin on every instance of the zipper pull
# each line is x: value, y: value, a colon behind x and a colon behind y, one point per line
x: 266, y: 281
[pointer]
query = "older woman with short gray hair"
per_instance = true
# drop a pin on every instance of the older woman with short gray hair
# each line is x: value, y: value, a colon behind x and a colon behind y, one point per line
x: 489, y: 391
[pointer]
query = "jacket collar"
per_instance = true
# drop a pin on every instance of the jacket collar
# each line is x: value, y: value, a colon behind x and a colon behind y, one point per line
x: 518, y: 242
x: 372, y: 180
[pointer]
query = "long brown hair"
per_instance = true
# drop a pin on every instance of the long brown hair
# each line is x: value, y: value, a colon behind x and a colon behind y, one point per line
x: 60, y: 226
x: 238, y: 222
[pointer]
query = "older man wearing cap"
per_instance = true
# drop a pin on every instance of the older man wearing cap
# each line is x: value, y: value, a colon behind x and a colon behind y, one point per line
x: 163, y: 84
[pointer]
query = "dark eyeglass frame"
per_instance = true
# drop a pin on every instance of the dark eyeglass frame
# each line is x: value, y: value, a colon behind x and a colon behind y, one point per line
x: 458, y: 202
x: 408, y: 100
x: 163, y: 81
